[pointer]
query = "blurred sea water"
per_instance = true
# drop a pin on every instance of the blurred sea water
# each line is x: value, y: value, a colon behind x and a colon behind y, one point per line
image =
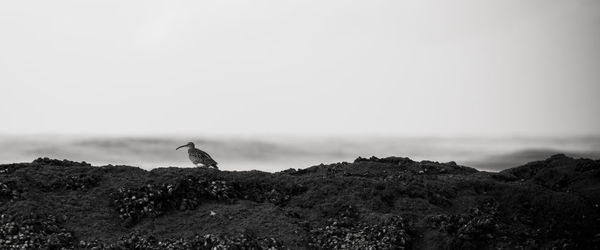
x: 278, y: 153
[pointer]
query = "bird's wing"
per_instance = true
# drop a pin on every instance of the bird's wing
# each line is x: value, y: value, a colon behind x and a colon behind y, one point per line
x: 205, y: 156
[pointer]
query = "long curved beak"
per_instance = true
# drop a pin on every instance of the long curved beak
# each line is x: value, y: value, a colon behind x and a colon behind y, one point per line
x: 181, y: 146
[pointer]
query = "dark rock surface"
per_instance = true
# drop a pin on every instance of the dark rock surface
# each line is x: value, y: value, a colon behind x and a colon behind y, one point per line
x: 373, y: 203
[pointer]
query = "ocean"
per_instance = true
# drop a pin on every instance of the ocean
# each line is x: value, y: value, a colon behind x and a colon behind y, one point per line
x: 276, y: 153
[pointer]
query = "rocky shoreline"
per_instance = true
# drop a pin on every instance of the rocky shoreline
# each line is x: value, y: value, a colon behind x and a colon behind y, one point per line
x: 371, y: 203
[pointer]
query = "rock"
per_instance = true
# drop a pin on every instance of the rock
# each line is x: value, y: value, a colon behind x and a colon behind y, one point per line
x: 374, y: 203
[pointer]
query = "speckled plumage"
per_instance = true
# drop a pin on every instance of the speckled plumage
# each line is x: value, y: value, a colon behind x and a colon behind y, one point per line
x: 199, y: 157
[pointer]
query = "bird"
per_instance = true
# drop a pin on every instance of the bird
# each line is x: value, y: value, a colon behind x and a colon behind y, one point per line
x: 199, y: 157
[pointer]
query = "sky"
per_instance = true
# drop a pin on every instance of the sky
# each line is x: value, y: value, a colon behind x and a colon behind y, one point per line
x: 468, y: 67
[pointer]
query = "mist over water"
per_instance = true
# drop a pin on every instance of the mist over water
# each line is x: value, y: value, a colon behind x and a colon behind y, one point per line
x: 279, y: 153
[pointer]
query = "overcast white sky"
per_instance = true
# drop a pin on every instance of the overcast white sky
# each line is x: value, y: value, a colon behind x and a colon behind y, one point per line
x: 510, y: 67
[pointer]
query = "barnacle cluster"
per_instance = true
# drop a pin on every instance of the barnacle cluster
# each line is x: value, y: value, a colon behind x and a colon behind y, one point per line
x: 46, y: 232
x: 33, y: 232
x: 392, y: 233
x: 147, y: 201
x: 76, y: 182
x: 200, y: 242
x: 8, y: 191
x: 469, y: 229
x: 152, y: 200
x: 188, y: 193
x: 276, y: 197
